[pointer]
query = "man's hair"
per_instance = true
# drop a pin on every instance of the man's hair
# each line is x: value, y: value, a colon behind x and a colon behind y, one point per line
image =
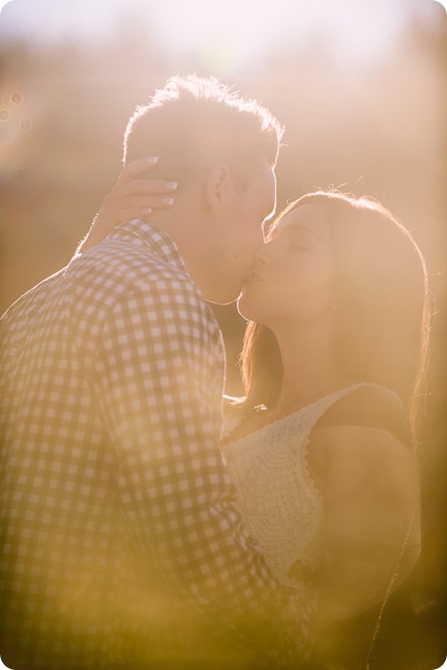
x: 196, y: 122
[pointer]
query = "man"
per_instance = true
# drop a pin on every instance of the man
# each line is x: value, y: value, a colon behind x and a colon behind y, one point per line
x: 120, y: 542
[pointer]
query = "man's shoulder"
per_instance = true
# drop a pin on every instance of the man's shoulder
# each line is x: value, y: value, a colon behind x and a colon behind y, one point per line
x: 121, y: 255
x: 118, y: 273
x: 111, y: 275
x: 116, y: 267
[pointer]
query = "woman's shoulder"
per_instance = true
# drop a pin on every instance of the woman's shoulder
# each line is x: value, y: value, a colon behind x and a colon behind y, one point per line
x: 369, y: 406
x: 363, y: 432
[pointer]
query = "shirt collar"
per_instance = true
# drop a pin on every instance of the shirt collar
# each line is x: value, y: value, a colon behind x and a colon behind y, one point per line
x: 155, y: 239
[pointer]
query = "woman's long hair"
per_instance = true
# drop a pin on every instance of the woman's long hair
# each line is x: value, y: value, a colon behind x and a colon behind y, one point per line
x: 381, y: 327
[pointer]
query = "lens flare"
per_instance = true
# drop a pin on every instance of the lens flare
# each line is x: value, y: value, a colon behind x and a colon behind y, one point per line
x: 2, y: 4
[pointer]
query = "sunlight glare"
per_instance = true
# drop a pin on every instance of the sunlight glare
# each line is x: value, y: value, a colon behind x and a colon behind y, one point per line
x: 2, y: 4
x: 235, y: 35
x: 354, y: 33
x: 16, y: 114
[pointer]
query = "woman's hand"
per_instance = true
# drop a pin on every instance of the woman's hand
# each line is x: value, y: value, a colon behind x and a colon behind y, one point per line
x: 130, y: 198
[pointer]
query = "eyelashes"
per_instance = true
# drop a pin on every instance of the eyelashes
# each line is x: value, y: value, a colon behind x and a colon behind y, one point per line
x: 301, y: 247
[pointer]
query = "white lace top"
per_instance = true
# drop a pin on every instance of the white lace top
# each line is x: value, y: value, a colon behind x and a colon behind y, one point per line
x: 281, y: 507
x: 282, y: 510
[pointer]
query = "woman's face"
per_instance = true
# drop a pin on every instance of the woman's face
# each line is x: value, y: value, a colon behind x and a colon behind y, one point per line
x: 291, y: 281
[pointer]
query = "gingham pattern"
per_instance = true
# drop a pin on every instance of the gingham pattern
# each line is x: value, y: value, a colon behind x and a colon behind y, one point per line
x: 111, y: 382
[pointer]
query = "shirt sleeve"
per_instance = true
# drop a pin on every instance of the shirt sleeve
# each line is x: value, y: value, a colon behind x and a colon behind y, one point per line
x: 159, y: 385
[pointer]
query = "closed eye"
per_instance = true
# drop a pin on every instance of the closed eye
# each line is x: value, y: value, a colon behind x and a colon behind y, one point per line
x: 297, y: 246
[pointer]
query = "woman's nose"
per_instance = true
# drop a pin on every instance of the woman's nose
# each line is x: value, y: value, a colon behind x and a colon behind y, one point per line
x: 263, y: 254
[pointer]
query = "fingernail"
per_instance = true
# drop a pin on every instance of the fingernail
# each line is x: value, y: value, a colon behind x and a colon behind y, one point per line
x: 152, y: 160
x: 168, y: 201
x: 172, y: 185
x: 146, y: 211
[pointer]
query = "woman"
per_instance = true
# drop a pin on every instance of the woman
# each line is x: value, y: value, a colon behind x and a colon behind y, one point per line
x: 323, y: 452
x: 322, y: 446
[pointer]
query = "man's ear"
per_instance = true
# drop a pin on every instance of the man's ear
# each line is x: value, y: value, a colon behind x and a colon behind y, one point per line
x: 219, y: 186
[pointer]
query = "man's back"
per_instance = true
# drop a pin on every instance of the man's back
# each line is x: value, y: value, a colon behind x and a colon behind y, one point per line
x: 113, y: 375
x: 90, y: 423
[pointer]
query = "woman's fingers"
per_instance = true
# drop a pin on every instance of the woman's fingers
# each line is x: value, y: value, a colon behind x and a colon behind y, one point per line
x: 139, y: 203
x: 111, y: 214
x: 117, y: 202
x: 142, y: 187
x: 130, y: 198
x: 106, y: 219
x: 102, y: 226
x: 130, y: 170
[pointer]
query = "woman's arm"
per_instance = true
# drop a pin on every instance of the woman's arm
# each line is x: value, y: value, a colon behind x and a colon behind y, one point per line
x: 132, y: 197
x: 371, y: 533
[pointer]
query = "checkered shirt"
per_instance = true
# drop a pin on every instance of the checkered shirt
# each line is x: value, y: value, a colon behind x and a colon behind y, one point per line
x: 115, y: 505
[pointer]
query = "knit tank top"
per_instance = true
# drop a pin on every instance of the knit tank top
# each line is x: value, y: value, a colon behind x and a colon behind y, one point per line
x: 281, y: 507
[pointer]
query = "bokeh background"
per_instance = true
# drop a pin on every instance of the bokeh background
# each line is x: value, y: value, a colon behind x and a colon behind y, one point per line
x: 361, y: 86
